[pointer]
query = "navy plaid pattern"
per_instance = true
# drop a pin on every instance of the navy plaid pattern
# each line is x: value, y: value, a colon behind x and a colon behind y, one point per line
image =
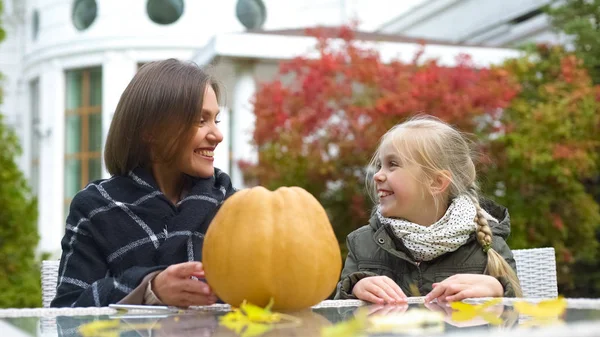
x: 120, y: 229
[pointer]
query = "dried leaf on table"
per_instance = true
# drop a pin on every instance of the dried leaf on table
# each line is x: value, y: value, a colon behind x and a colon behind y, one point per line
x: 250, y: 320
x: 111, y: 328
x: 464, y: 312
x: 544, y: 309
x: 350, y: 328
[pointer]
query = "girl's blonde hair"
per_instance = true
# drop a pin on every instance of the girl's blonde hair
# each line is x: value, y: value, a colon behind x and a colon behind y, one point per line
x: 438, y: 148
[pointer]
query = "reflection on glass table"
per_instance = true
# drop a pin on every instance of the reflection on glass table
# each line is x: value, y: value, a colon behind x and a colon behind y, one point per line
x: 501, y: 317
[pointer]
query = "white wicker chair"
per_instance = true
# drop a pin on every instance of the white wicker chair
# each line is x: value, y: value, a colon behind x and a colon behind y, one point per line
x: 49, y: 279
x: 536, y: 269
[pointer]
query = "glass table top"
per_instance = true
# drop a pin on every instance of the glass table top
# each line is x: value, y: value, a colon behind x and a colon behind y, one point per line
x: 329, y: 319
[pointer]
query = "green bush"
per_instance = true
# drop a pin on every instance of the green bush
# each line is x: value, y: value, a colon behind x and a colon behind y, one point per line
x: 548, y: 145
x: 319, y: 122
x: 580, y: 20
x: 19, y: 270
x: 537, y: 119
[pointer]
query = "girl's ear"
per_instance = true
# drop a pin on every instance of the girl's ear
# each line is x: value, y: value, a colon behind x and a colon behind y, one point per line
x: 440, y: 182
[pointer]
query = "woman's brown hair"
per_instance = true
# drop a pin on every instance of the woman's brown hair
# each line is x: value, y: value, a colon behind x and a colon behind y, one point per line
x: 155, y: 115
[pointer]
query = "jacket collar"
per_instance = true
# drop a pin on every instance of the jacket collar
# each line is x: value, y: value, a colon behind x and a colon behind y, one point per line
x: 500, y: 228
x: 386, y: 241
x: 143, y: 177
x: 391, y: 244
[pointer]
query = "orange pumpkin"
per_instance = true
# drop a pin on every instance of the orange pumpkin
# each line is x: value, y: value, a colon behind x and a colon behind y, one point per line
x: 279, y: 245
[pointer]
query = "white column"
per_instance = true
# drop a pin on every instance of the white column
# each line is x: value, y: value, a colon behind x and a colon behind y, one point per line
x: 23, y: 117
x: 117, y: 71
x: 242, y: 123
x: 222, y: 152
x: 51, y: 221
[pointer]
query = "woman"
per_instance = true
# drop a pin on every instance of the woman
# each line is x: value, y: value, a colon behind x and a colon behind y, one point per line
x: 136, y: 237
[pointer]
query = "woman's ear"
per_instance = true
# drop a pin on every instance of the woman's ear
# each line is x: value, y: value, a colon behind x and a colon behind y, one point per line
x: 147, y: 137
x: 440, y: 182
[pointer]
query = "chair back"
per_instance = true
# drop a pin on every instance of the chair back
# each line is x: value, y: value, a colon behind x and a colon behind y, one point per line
x: 49, y: 279
x: 536, y: 269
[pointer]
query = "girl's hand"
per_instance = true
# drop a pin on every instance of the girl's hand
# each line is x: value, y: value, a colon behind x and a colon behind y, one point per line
x: 174, y: 286
x: 378, y: 289
x: 382, y: 309
x: 461, y: 286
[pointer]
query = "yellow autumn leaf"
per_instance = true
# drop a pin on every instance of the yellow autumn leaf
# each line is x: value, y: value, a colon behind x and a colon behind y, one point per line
x: 414, y: 290
x: 236, y: 325
x: 348, y: 328
x: 543, y: 309
x: 490, y: 303
x: 258, y: 314
x: 464, y: 316
x: 463, y: 307
x: 111, y: 328
x: 491, y: 318
x: 256, y: 329
x: 96, y: 327
x: 464, y: 312
x: 232, y: 316
x: 250, y: 320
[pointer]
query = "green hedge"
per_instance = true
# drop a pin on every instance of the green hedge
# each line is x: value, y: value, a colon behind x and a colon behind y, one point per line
x: 19, y: 269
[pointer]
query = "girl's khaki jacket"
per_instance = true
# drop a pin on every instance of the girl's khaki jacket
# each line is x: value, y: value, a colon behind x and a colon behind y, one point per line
x: 373, y: 250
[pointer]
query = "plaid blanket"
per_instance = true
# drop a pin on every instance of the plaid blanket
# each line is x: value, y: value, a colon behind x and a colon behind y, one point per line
x: 120, y: 229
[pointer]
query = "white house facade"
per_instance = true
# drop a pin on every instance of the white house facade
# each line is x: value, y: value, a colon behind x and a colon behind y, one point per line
x: 66, y: 63
x: 506, y: 23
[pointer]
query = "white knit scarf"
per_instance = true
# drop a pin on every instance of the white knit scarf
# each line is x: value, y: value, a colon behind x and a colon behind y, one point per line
x: 444, y: 236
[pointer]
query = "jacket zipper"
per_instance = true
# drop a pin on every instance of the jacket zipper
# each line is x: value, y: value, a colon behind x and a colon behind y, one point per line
x: 414, y: 263
x: 420, y: 282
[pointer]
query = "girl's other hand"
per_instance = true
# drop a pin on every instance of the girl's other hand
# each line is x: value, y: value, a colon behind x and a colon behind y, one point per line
x: 461, y: 286
x: 379, y: 289
x: 382, y: 309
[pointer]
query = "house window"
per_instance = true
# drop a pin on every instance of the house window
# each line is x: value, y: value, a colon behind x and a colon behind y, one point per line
x: 84, y: 13
x: 83, y: 130
x: 35, y: 24
x: 164, y: 12
x: 34, y: 105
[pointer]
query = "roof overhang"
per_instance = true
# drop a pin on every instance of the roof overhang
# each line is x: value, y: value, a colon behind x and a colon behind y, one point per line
x: 275, y: 47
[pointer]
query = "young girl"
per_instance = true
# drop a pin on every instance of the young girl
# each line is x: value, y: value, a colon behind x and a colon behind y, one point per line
x: 430, y: 233
x: 137, y: 237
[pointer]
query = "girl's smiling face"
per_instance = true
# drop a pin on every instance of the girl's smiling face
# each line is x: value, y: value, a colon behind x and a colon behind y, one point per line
x: 400, y: 187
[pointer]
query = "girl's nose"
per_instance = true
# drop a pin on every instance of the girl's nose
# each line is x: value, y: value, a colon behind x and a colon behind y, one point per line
x: 379, y: 177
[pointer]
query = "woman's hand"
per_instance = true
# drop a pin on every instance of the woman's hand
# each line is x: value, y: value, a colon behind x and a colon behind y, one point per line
x: 174, y: 286
x: 378, y: 289
x: 461, y: 286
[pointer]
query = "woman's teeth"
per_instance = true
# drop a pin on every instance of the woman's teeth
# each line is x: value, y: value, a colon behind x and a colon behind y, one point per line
x: 206, y: 153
